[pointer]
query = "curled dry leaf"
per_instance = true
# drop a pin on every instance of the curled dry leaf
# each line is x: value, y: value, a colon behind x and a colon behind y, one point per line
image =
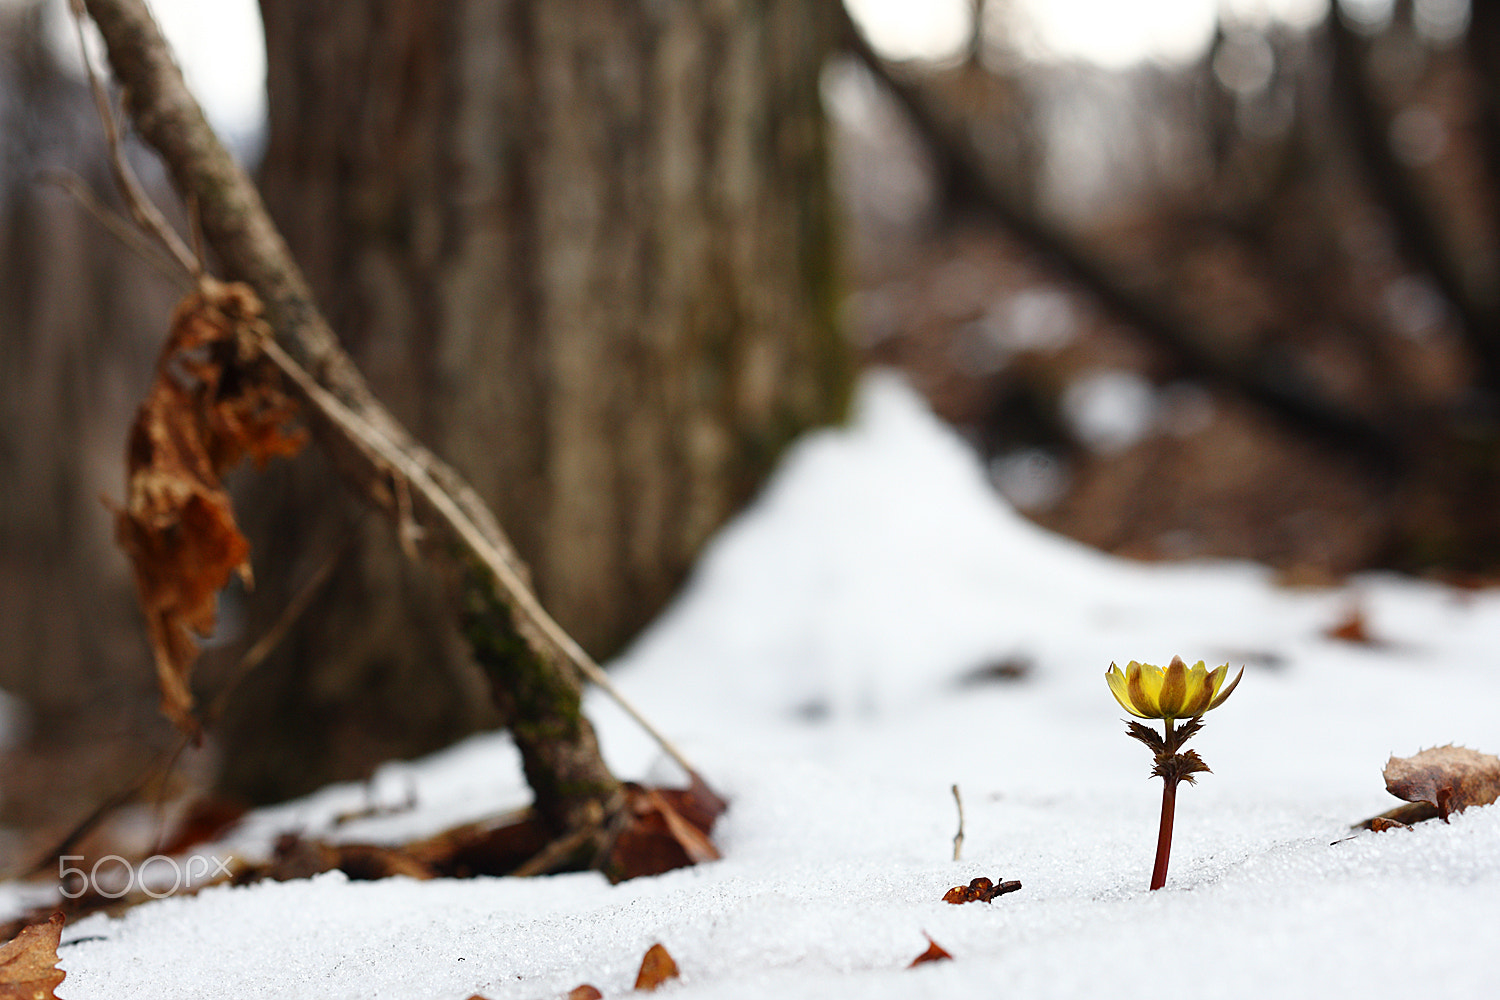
x: 980, y: 890
x: 656, y: 968
x: 28, y: 962
x: 666, y: 828
x: 585, y: 991
x: 1450, y: 778
x: 213, y: 402
x: 934, y: 953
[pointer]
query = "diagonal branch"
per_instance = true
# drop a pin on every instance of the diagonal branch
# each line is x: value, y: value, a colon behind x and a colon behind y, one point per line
x: 1393, y: 186
x: 1293, y: 404
x: 533, y: 664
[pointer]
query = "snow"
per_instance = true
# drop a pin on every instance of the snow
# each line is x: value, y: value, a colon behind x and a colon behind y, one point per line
x: 817, y: 670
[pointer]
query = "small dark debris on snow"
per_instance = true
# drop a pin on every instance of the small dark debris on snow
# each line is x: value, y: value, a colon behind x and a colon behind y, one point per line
x: 980, y: 890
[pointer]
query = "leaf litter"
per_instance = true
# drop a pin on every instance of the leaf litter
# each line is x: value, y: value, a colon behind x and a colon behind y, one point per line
x: 1436, y: 783
x: 28, y: 962
x: 214, y: 401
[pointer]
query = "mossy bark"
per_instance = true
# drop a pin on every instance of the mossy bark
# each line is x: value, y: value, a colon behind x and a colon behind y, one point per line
x: 541, y: 703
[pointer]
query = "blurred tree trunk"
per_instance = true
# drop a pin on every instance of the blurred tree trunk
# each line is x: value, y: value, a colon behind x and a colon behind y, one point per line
x: 81, y: 320
x: 585, y: 251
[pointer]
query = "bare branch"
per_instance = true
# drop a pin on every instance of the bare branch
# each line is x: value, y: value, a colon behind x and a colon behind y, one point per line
x: 128, y: 235
x: 958, y: 838
x: 959, y: 167
x: 1395, y: 188
x: 142, y: 209
x: 367, y: 444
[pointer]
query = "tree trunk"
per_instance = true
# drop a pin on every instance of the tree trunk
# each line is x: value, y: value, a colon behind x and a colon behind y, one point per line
x: 81, y: 321
x: 583, y: 249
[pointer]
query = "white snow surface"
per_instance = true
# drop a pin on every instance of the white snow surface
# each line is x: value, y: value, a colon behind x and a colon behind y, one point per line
x: 814, y: 670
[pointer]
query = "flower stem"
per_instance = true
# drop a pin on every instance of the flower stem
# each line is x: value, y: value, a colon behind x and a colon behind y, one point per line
x: 1164, y: 835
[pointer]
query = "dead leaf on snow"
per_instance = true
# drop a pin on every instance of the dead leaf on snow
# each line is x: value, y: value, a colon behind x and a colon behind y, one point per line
x: 934, y: 953
x: 585, y: 991
x: 664, y: 828
x: 1353, y: 628
x: 667, y: 828
x: 28, y: 962
x: 1449, y: 777
x: 213, y: 402
x: 656, y: 968
x: 1382, y: 823
x: 980, y: 890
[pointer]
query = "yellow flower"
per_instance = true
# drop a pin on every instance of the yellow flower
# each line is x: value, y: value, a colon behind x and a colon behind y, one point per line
x: 1177, y: 692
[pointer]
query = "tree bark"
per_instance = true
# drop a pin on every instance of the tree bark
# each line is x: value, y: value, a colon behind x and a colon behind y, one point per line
x: 576, y: 795
x: 81, y: 319
x: 584, y: 249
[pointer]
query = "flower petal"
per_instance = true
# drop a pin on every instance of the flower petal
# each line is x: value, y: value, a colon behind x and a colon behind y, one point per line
x: 1118, y: 687
x: 1219, y: 698
x: 1143, y: 681
x: 1174, y: 689
x: 1200, y: 690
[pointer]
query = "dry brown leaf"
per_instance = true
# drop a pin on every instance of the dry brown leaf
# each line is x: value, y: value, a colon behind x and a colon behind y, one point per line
x: 1381, y: 823
x: 212, y: 403
x: 584, y: 991
x: 934, y: 953
x: 980, y: 890
x: 656, y: 968
x: 492, y: 846
x: 28, y: 962
x: 667, y: 828
x: 1449, y: 777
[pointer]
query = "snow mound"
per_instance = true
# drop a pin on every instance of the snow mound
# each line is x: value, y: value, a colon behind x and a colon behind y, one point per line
x: 819, y: 669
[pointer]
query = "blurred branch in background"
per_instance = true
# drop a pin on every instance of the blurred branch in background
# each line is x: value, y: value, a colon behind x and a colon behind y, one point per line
x: 966, y: 182
x: 1412, y: 212
x: 1297, y: 223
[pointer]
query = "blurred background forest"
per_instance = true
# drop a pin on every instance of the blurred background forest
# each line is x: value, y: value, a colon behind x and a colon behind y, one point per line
x: 1195, y: 279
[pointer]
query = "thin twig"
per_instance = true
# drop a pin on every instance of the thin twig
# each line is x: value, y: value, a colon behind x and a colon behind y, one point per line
x: 267, y: 643
x: 166, y: 759
x: 128, y: 235
x: 958, y: 838
x: 557, y: 852
x: 1297, y: 406
x: 145, y: 213
x: 380, y: 449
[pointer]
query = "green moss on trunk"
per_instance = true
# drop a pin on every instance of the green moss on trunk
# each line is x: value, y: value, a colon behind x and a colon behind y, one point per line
x: 541, y: 703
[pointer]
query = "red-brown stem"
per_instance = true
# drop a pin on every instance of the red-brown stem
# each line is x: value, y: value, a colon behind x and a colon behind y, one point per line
x: 1164, y: 835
